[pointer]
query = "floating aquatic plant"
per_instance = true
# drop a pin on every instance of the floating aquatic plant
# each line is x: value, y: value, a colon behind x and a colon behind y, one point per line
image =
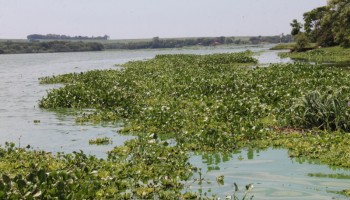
x: 205, y: 103
x: 101, y: 141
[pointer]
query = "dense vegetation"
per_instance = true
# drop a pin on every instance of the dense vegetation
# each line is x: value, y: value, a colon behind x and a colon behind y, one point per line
x: 201, y: 103
x: 136, y: 170
x: 327, y: 26
x: 207, y: 102
x: 336, y: 55
x: 64, y: 37
x: 61, y: 43
x: 48, y: 47
x: 156, y: 42
x: 292, y: 46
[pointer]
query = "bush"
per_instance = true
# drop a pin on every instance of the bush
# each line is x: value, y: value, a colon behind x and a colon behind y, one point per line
x: 301, y: 41
x: 328, y: 111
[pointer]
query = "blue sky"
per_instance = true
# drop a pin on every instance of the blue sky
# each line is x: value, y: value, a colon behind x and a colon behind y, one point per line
x: 124, y: 19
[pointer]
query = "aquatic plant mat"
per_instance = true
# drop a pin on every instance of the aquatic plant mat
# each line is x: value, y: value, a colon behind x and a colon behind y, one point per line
x: 177, y: 104
x: 332, y: 55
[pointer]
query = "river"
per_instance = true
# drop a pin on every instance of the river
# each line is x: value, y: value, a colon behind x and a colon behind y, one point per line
x: 273, y: 174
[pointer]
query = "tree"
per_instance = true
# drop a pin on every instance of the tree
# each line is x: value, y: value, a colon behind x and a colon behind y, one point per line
x: 222, y: 40
x: 302, y: 41
x: 340, y: 13
x: 318, y: 26
x: 255, y: 40
x: 155, y: 42
x: 296, y: 27
x: 328, y: 25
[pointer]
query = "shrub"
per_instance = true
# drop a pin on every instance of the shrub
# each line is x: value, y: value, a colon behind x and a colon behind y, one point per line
x: 325, y: 110
x: 301, y: 42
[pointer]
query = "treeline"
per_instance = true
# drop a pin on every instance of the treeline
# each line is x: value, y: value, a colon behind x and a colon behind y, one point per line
x: 10, y: 47
x: 64, y: 37
x: 327, y: 26
x: 271, y: 39
x: 156, y: 42
x: 40, y: 46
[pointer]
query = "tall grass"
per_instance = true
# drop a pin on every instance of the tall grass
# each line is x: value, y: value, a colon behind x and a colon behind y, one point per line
x: 328, y: 110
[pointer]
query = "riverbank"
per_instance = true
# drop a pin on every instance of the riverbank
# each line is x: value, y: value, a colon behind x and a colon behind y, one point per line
x: 16, y: 47
x: 291, y: 46
x: 327, y: 54
x: 75, y: 45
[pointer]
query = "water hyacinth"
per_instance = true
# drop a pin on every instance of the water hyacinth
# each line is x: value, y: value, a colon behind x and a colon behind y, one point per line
x: 210, y: 103
x: 201, y: 104
x: 175, y: 90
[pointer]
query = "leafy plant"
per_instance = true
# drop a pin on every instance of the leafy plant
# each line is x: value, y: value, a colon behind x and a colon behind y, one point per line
x: 328, y: 110
x: 136, y: 170
x: 101, y: 141
x: 322, y: 55
x: 206, y: 103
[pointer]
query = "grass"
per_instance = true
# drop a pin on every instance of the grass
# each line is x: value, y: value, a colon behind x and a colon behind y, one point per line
x: 291, y: 46
x: 327, y: 110
x: 329, y: 54
x: 284, y: 46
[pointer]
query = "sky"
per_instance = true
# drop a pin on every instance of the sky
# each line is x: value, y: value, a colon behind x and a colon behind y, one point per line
x: 129, y: 19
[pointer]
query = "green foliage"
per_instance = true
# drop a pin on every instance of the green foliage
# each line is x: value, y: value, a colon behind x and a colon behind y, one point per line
x: 328, y: 25
x: 318, y: 26
x: 138, y: 170
x: 301, y: 41
x: 296, y: 27
x: 48, y: 47
x: 157, y: 42
x: 332, y: 149
x: 64, y: 37
x: 101, y: 141
x: 346, y: 193
x: 339, y: 16
x: 335, y: 176
x: 204, y: 102
x: 176, y: 88
x: 326, y: 110
x: 337, y: 55
x: 292, y: 46
x: 288, y: 46
x: 210, y: 102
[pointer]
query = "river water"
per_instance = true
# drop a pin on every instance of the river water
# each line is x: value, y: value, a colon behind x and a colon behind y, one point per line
x: 273, y: 174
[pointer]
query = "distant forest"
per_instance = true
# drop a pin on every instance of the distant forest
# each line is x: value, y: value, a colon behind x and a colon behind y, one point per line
x: 60, y: 43
x: 10, y: 47
x: 156, y: 42
x: 64, y: 37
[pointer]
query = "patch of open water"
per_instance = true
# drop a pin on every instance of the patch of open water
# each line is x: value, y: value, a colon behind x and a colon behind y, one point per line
x: 273, y: 174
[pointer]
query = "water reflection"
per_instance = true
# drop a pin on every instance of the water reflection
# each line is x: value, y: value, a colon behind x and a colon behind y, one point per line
x: 273, y: 174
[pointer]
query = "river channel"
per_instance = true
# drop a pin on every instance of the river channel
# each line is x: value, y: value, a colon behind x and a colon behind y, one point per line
x: 273, y: 174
